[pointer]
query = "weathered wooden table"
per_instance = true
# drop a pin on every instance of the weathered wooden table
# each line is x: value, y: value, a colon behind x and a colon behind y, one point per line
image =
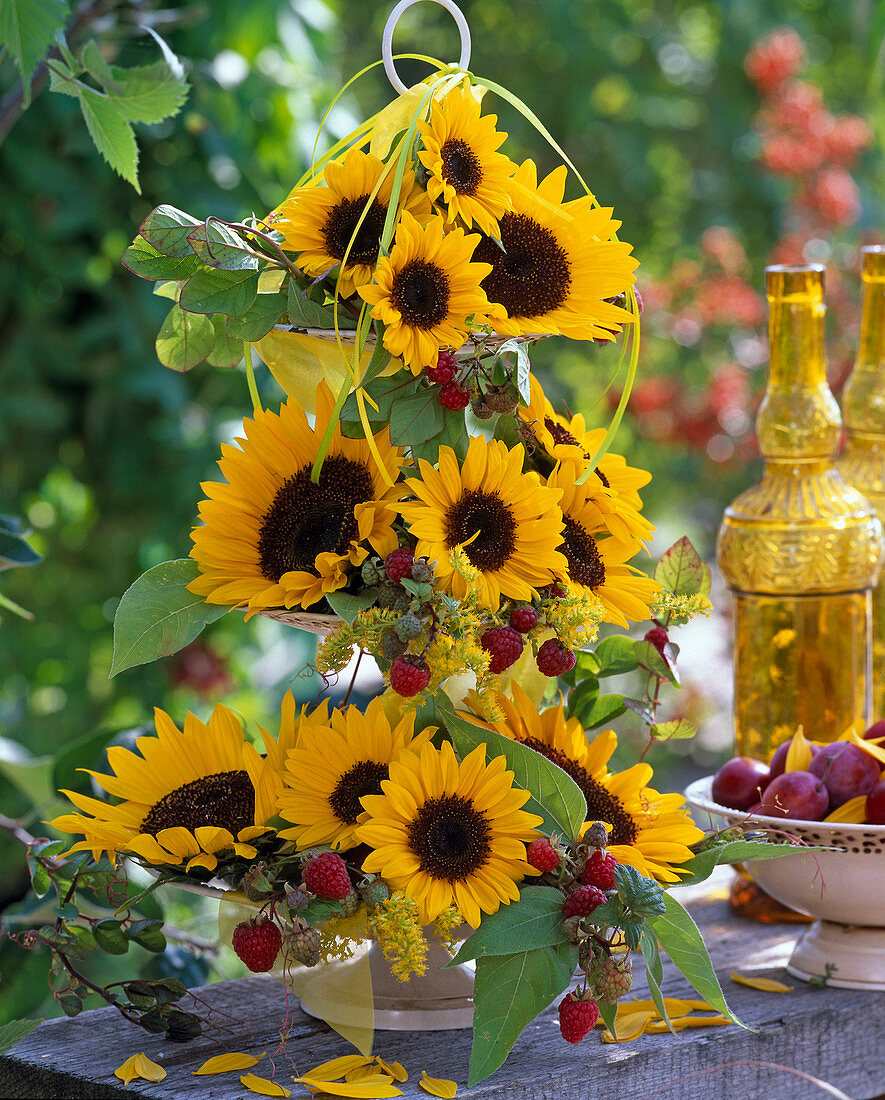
x: 834, y: 1035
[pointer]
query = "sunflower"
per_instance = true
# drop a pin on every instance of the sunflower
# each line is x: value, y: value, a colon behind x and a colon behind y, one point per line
x: 320, y: 222
x: 508, y: 524
x: 650, y: 831
x: 335, y: 763
x: 613, y: 484
x: 188, y: 798
x: 554, y: 263
x: 599, y: 564
x: 465, y: 171
x: 426, y: 289
x: 449, y: 833
x: 272, y: 537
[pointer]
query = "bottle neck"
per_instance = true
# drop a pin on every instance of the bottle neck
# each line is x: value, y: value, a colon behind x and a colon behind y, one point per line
x: 796, y: 338
x: 863, y: 400
x: 871, y: 350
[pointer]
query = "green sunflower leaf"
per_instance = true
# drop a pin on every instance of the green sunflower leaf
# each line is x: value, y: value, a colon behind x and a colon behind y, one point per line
x: 14, y: 1031
x: 555, y: 796
x: 258, y: 319
x: 305, y: 313
x: 217, y: 246
x: 416, y: 419
x: 184, y: 339
x: 654, y: 971
x: 212, y: 291
x: 700, y: 867
x: 143, y: 260
x: 510, y: 991
x: 226, y: 352
x: 679, y: 936
x: 167, y: 229
x: 157, y: 615
x: 533, y: 922
x: 347, y: 605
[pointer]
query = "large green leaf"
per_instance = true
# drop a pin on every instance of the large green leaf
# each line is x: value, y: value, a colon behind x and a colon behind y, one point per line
x: 14, y: 1032
x: 226, y: 352
x: 217, y: 246
x: 679, y: 936
x: 347, y: 605
x: 145, y: 93
x: 654, y: 971
x: 212, y: 291
x: 258, y: 319
x: 184, y: 339
x: 112, y: 134
x: 615, y: 655
x: 305, y: 313
x: 681, y: 569
x: 510, y: 991
x: 27, y: 29
x: 533, y: 922
x: 700, y: 867
x: 555, y: 796
x: 143, y: 260
x: 158, y: 616
x: 416, y: 419
x: 166, y: 229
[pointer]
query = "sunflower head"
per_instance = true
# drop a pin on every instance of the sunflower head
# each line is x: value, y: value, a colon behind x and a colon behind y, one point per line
x: 465, y: 172
x: 507, y: 523
x: 340, y: 221
x: 555, y: 263
x: 186, y: 797
x: 335, y: 763
x: 448, y: 832
x: 274, y: 537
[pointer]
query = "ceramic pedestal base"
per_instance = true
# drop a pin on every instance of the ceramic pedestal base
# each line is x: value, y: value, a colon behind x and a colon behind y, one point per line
x: 858, y: 955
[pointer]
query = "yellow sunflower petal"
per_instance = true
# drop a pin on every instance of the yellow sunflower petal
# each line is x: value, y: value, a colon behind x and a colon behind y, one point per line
x: 766, y: 985
x: 263, y: 1086
x: 380, y: 1087
x: 139, y: 1066
x: 852, y: 812
x: 227, y: 1063
x: 799, y: 753
x: 395, y: 1069
x: 438, y: 1086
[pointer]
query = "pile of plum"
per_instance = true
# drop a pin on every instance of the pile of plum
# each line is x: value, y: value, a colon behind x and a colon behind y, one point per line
x: 838, y: 773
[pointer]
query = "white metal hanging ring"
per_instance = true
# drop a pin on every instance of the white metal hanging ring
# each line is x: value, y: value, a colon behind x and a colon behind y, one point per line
x: 390, y: 25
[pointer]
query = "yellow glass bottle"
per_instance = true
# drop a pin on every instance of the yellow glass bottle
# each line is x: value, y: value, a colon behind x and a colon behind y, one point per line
x: 800, y: 550
x: 863, y: 410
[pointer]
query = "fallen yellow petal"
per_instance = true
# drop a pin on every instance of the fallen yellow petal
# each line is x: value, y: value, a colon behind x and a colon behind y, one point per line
x: 361, y: 1073
x: 851, y: 812
x: 875, y: 750
x: 396, y: 1070
x: 227, y: 1063
x: 799, y: 752
x: 263, y: 1086
x: 337, y: 1067
x: 766, y: 985
x: 630, y: 1028
x: 380, y: 1086
x: 657, y: 1027
x: 139, y: 1066
x: 437, y: 1086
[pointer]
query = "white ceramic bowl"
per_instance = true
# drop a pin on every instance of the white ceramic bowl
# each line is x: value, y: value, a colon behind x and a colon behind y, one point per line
x: 844, y: 890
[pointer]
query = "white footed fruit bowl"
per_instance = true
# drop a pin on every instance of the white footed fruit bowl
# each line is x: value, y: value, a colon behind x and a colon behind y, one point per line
x: 844, y: 890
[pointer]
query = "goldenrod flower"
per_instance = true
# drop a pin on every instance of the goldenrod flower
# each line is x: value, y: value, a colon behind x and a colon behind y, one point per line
x: 397, y: 926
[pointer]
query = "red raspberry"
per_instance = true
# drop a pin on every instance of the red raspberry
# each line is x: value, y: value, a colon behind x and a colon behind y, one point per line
x: 257, y: 944
x: 327, y: 877
x: 445, y: 369
x: 582, y: 902
x: 658, y: 638
x: 409, y: 675
x: 554, y: 658
x: 576, y: 1017
x: 541, y: 854
x: 504, y: 644
x: 398, y: 564
x: 600, y: 871
x: 452, y: 397
x: 524, y: 619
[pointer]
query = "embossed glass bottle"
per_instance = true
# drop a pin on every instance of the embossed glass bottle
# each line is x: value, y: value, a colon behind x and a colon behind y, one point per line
x: 863, y: 409
x: 799, y: 550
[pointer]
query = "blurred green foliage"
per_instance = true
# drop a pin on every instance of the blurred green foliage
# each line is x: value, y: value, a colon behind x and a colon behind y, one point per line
x: 102, y: 449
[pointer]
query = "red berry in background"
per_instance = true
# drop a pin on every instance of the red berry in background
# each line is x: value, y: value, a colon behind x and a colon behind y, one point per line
x: 798, y: 795
x: 582, y: 902
x: 505, y: 646
x: 398, y: 564
x: 658, y: 638
x: 835, y: 196
x: 409, y: 675
x: 524, y: 619
x: 576, y: 1017
x: 847, y: 770
x: 257, y: 943
x: 555, y: 659
x: 875, y: 813
x: 542, y: 855
x: 326, y: 876
x: 452, y: 397
x: 740, y: 783
x: 875, y: 732
x: 775, y: 58
x: 600, y: 871
x: 445, y: 369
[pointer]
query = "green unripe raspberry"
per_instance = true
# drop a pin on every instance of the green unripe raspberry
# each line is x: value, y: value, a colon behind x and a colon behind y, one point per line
x: 408, y: 627
x: 304, y: 946
x: 369, y: 573
x: 374, y: 892
x: 422, y: 571
x: 596, y: 836
x: 571, y: 926
x: 392, y: 646
x: 351, y: 903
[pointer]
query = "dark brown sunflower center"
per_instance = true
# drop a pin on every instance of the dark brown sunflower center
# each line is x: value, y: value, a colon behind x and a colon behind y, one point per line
x: 585, y: 566
x: 420, y: 291
x: 450, y: 838
x: 225, y: 800
x: 363, y: 778
x: 308, y: 518
x: 601, y: 805
x: 487, y: 517
x: 340, y: 224
x: 532, y: 275
x: 460, y: 166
